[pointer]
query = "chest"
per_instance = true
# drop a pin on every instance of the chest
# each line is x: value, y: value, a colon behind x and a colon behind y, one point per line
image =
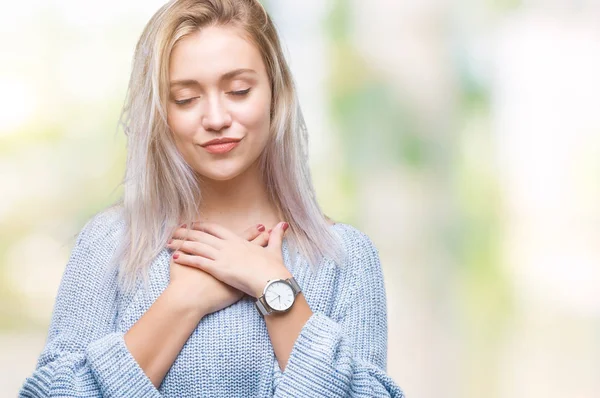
x: 229, y: 353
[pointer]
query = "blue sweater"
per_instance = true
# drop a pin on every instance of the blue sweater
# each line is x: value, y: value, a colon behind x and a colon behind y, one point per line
x: 340, y: 352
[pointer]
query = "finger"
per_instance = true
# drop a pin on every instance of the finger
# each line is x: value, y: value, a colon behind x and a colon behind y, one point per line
x: 261, y: 239
x: 198, y: 236
x: 254, y: 231
x: 194, y: 248
x: 215, y: 230
x: 276, y: 236
x: 205, y: 264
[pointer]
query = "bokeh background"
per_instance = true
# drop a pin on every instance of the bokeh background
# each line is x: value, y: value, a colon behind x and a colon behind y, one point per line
x: 463, y: 137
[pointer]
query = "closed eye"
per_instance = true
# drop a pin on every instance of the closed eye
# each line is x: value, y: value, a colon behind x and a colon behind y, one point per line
x: 185, y: 101
x: 240, y: 92
x: 237, y: 93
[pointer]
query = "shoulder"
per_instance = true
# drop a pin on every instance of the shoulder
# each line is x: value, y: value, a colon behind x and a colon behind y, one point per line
x: 102, y: 227
x: 89, y: 268
x: 359, y: 248
x: 93, y: 254
x: 360, y: 276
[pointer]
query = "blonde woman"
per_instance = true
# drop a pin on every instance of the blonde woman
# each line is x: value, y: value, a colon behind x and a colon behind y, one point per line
x: 217, y: 274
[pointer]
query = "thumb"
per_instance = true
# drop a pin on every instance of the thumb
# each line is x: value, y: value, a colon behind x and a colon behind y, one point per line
x: 276, y: 236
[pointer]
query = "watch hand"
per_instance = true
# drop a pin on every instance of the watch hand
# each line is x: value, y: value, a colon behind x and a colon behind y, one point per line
x: 277, y: 297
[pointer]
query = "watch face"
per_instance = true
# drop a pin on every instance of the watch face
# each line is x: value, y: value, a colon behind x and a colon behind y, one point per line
x: 279, y: 296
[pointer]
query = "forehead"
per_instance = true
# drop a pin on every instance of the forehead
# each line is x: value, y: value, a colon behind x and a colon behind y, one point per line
x: 209, y: 53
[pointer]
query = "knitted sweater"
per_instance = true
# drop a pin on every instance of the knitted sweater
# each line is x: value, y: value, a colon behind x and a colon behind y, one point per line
x: 341, y: 350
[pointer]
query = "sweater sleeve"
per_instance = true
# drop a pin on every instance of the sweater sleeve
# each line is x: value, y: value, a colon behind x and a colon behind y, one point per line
x: 84, y: 355
x: 345, y: 358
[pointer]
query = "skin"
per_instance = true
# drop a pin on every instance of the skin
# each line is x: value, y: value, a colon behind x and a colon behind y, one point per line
x: 233, y: 192
x: 220, y: 259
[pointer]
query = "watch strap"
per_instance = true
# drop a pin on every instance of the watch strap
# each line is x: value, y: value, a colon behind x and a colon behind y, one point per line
x: 262, y: 307
x: 295, y: 287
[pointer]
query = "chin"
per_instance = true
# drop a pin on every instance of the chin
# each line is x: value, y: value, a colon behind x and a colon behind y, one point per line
x: 218, y: 177
x: 221, y: 175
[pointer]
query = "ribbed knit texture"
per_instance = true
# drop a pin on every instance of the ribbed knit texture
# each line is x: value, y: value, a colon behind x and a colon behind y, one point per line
x: 341, y: 350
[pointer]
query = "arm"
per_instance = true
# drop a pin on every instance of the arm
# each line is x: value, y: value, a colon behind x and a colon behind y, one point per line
x: 84, y: 354
x: 154, y: 342
x: 285, y: 328
x: 347, y: 357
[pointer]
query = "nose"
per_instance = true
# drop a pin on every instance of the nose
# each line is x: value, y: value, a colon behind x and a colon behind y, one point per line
x: 216, y: 116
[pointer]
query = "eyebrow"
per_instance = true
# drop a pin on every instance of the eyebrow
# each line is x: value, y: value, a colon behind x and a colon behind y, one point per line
x: 226, y: 76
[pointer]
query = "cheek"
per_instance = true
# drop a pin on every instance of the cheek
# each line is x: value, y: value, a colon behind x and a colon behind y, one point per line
x: 183, y: 124
x: 254, y: 116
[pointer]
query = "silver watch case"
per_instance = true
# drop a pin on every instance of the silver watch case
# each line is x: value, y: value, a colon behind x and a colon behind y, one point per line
x: 261, y: 303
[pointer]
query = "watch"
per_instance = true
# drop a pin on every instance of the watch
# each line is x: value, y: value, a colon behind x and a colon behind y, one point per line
x: 278, y: 296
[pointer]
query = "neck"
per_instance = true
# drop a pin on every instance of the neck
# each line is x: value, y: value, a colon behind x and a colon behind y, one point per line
x: 239, y: 203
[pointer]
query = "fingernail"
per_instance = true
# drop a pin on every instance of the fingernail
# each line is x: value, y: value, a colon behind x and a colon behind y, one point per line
x: 285, y: 226
x: 170, y: 241
x: 184, y: 226
x: 175, y: 256
x: 269, y: 231
x: 261, y: 227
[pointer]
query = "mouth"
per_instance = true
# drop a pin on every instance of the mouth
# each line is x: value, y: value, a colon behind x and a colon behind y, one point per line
x: 222, y: 140
x: 220, y: 147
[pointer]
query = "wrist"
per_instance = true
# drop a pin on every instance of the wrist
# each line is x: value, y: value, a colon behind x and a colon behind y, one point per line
x: 183, y: 302
x: 262, y: 282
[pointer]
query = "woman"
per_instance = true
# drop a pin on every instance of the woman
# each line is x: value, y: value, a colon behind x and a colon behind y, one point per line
x: 223, y: 305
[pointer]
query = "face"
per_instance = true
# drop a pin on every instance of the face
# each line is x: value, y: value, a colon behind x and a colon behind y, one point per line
x: 219, y: 88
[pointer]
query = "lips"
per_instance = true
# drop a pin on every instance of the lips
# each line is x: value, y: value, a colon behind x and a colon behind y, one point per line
x: 217, y: 141
x: 221, y: 148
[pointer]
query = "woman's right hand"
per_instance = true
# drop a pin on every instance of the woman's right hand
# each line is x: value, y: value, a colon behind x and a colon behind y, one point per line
x: 201, y: 291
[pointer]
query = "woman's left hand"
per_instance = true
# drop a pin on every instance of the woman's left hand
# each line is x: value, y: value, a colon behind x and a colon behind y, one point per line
x: 230, y: 258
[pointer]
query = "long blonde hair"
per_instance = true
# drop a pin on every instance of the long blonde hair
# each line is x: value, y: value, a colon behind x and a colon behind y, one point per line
x: 161, y: 190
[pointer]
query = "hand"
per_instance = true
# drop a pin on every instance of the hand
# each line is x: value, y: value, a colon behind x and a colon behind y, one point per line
x: 202, y: 291
x: 231, y: 259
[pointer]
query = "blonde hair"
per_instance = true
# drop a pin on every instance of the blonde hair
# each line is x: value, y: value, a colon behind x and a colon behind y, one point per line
x: 161, y: 190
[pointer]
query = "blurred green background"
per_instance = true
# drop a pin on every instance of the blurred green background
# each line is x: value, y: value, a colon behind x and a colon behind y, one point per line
x: 462, y: 137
